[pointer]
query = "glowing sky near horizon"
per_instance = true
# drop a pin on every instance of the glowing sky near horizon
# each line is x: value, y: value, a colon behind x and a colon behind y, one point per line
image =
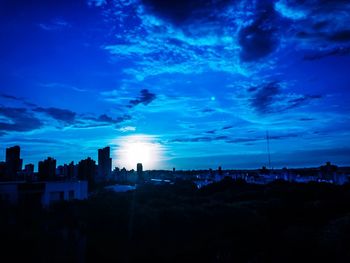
x: 201, y: 81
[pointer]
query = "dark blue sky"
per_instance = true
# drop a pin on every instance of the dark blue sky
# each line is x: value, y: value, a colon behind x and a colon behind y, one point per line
x: 200, y: 81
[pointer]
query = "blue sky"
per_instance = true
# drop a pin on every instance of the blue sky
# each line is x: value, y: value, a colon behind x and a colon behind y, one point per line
x: 202, y: 80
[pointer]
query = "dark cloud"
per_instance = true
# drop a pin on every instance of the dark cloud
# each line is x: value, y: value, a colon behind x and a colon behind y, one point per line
x: 340, y: 36
x: 125, y: 117
x: 145, y: 98
x: 338, y: 51
x: 7, y: 96
x: 227, y: 127
x: 100, y: 121
x: 18, y: 119
x: 269, y: 98
x: 11, y: 97
x: 182, y: 11
x: 104, y: 118
x: 306, y: 119
x: 293, y: 103
x: 265, y: 97
x: 201, y: 139
x: 195, y: 139
x: 221, y: 137
x: 263, y: 138
x: 63, y: 115
x: 244, y: 140
x: 207, y: 110
x: 261, y: 37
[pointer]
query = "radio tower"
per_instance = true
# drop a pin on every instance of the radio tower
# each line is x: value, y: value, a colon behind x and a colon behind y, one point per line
x: 268, y: 148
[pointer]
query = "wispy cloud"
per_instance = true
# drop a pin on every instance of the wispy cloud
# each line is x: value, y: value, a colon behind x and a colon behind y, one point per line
x: 56, y: 85
x: 54, y: 25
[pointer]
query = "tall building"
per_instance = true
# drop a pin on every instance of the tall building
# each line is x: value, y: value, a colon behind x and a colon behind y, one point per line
x: 69, y: 170
x: 139, y: 169
x: 13, y: 161
x: 28, y: 172
x: 104, y: 163
x: 2, y: 170
x: 29, y: 168
x: 87, y: 171
x: 47, y: 169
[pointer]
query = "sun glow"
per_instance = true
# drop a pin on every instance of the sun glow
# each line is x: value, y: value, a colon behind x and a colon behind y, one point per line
x: 138, y: 149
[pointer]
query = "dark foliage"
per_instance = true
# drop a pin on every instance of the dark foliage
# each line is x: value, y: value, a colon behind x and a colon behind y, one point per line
x: 229, y: 221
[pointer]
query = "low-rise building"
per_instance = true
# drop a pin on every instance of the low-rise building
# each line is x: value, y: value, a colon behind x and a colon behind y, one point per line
x: 42, y: 193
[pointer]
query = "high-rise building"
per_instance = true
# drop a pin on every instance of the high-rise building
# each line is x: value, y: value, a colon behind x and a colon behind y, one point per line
x: 47, y: 169
x: 104, y: 163
x: 87, y: 171
x: 28, y: 172
x: 29, y: 168
x: 2, y: 170
x: 139, y: 169
x: 13, y: 161
x: 69, y: 170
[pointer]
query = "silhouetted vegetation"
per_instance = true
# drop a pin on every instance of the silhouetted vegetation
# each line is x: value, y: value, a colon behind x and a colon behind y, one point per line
x: 229, y: 221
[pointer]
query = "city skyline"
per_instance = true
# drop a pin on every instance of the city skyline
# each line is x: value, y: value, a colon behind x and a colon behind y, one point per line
x: 49, y: 167
x: 182, y: 84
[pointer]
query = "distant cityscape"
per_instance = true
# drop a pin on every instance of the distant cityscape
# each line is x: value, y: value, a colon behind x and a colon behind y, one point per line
x: 53, y: 183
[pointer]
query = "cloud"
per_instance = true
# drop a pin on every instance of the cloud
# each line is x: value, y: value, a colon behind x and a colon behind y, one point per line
x: 54, y: 25
x: 63, y: 115
x: 145, y: 98
x: 56, y: 85
x: 127, y: 129
x: 33, y: 117
x: 97, y: 3
x: 306, y: 119
x: 270, y: 98
x: 259, y: 39
x: 105, y: 119
x: 181, y: 12
x: 227, y: 127
x: 14, y: 98
x: 17, y: 119
x: 265, y: 97
x: 340, y: 36
x: 192, y: 37
x: 263, y: 138
x: 6, y: 96
x: 337, y: 51
x: 201, y: 139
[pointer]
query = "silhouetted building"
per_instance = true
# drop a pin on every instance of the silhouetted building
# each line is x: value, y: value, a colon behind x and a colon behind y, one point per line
x: 104, y: 163
x: 29, y: 168
x: 2, y: 170
x: 47, y: 169
x: 69, y: 170
x: 329, y: 172
x: 42, y: 193
x: 13, y: 162
x: 123, y: 174
x: 87, y: 171
x: 28, y: 172
x: 66, y: 171
x: 139, y: 169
